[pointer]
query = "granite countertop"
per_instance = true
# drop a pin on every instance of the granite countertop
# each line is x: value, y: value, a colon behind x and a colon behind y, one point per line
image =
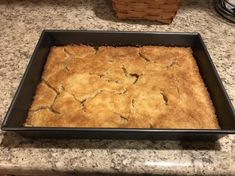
x: 21, y: 25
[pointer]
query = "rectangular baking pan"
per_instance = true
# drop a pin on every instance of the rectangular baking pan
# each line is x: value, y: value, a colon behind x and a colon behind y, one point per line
x: 18, y: 109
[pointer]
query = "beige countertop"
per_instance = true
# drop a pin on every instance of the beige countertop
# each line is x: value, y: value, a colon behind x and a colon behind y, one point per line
x: 21, y: 25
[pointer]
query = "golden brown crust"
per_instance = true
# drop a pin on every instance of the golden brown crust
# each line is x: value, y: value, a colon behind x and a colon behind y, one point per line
x: 122, y: 87
x: 44, y: 97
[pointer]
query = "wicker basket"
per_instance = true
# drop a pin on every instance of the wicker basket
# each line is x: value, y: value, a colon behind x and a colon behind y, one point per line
x: 157, y: 10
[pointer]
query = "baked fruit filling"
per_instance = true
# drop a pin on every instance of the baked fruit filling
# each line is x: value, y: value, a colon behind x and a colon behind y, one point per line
x: 121, y: 87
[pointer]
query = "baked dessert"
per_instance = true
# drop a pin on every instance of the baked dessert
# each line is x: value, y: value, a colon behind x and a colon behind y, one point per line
x: 121, y: 87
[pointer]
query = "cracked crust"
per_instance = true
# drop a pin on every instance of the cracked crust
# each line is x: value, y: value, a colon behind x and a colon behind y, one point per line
x: 121, y: 87
x: 44, y: 98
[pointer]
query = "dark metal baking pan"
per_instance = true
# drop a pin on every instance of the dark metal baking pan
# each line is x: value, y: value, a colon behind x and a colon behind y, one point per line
x: 18, y: 109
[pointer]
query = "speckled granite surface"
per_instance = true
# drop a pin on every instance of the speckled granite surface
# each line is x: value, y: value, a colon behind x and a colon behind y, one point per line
x: 21, y: 24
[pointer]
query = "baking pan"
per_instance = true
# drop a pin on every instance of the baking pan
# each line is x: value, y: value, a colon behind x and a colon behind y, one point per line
x: 18, y: 109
